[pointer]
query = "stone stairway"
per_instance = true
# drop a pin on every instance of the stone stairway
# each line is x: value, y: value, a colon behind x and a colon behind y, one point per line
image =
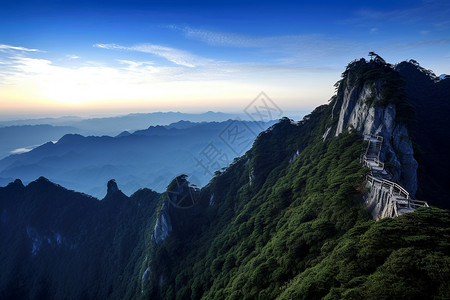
x: 388, y: 199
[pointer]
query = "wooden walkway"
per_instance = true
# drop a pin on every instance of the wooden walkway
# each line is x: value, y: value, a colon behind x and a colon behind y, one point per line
x: 396, y: 200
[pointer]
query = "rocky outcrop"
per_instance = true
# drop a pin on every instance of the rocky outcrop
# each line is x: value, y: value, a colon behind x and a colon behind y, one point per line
x: 112, y: 187
x: 375, y: 201
x: 115, y: 194
x: 179, y: 195
x: 52, y: 239
x: 163, y: 225
x: 296, y: 154
x: 355, y: 109
x: 146, y: 275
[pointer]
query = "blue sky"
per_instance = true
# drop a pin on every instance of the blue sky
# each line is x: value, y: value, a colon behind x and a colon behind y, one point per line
x: 114, y: 57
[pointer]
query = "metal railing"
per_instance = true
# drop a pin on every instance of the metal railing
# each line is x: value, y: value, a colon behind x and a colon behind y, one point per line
x: 368, y: 136
x: 397, y: 197
x: 373, y: 158
x: 368, y: 159
x: 394, y: 188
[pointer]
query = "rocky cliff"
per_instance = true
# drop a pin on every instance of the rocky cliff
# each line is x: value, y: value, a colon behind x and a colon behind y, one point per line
x: 429, y: 96
x: 57, y: 243
x: 163, y: 224
x: 285, y: 221
x: 363, y: 103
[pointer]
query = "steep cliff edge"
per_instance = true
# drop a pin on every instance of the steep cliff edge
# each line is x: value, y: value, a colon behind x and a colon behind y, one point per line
x: 288, y: 223
x: 285, y: 221
x: 429, y: 95
x: 371, y: 100
x: 57, y: 243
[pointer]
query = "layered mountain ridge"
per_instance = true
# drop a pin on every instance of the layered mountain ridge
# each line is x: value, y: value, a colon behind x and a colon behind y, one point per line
x: 145, y: 158
x: 286, y: 220
x: 371, y: 99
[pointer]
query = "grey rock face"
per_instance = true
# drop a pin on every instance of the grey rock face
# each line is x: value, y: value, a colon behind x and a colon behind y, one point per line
x: 326, y: 134
x: 145, y: 275
x: 353, y: 110
x: 375, y: 201
x: 397, y: 151
x: 294, y: 156
x: 251, y: 176
x: 163, y: 225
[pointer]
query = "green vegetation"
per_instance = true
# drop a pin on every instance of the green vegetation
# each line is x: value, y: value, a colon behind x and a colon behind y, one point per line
x: 67, y: 245
x: 279, y: 227
x: 401, y: 258
x: 386, y: 84
x: 298, y: 230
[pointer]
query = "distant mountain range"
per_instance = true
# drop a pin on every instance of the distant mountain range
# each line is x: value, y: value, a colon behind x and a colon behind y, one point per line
x: 290, y: 219
x: 144, y: 158
x: 287, y: 219
x: 23, y: 138
x: 131, y: 122
x: 18, y: 136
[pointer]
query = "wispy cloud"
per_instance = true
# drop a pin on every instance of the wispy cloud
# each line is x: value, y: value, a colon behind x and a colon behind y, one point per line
x: 300, y: 51
x: 418, y: 44
x: 176, y: 56
x: 429, y: 12
x: 223, y: 38
x: 243, y: 41
x: 188, y: 81
x: 5, y: 48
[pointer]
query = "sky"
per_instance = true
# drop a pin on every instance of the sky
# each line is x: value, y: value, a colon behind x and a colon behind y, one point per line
x: 116, y: 57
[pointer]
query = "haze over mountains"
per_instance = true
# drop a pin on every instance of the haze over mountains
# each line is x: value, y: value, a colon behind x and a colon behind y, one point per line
x: 18, y: 136
x: 143, y: 158
x: 286, y: 220
x: 23, y: 138
x: 135, y: 121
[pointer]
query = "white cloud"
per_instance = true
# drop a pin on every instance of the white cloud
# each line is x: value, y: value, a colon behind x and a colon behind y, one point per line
x: 176, y: 56
x: 5, y: 48
x: 42, y: 83
x: 287, y: 51
x: 418, y: 44
x: 134, y: 64
x: 20, y: 150
x: 71, y: 56
x: 244, y: 41
x: 427, y: 12
x: 9, y: 48
x: 222, y: 38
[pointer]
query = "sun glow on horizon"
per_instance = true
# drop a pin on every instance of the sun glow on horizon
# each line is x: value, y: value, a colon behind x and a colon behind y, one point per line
x: 37, y: 84
x: 65, y: 59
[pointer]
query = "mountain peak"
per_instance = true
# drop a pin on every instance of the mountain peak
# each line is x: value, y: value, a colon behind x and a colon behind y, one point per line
x: 17, y: 184
x: 123, y: 133
x: 112, y: 187
x: 40, y: 179
x: 70, y: 139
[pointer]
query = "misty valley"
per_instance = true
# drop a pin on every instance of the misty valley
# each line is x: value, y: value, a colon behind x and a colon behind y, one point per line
x: 229, y: 150
x: 348, y: 202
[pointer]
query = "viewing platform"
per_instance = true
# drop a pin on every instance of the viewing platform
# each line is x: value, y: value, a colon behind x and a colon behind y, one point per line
x: 392, y: 198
